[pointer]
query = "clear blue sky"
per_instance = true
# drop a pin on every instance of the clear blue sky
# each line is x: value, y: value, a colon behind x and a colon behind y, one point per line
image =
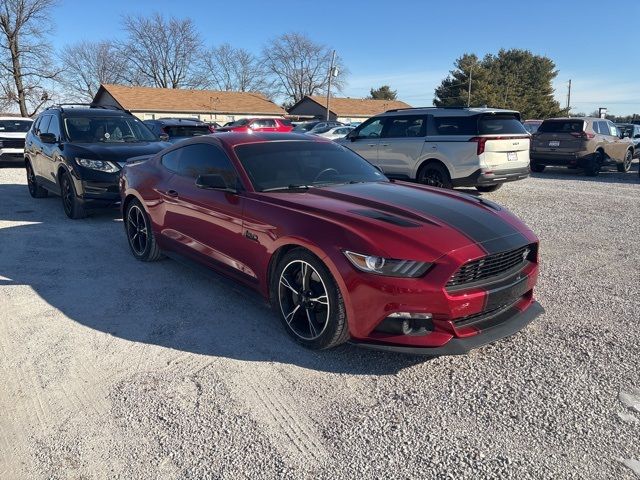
x: 411, y: 45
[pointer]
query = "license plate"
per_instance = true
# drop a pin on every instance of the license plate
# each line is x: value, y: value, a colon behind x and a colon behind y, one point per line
x: 512, y: 156
x: 554, y: 143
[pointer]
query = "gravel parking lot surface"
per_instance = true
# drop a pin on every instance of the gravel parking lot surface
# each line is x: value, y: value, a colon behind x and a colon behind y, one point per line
x: 112, y: 368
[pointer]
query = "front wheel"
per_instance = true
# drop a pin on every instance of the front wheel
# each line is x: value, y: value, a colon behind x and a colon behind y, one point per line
x: 310, y: 304
x: 626, y: 163
x: 435, y: 175
x: 488, y: 188
x: 137, y: 226
x: 72, y: 205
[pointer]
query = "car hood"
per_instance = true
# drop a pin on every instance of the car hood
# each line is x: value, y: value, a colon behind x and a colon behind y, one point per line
x: 117, y: 152
x: 398, y: 217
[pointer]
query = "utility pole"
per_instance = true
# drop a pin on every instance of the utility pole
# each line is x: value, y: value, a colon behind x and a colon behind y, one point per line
x: 331, y: 75
x: 469, y: 96
x: 569, y: 98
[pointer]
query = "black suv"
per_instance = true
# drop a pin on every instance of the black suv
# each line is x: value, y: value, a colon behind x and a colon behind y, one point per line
x: 78, y: 152
x: 178, y: 129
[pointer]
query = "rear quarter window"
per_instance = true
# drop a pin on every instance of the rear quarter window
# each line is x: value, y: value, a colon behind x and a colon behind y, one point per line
x: 561, y: 126
x: 455, y: 126
x: 500, y: 125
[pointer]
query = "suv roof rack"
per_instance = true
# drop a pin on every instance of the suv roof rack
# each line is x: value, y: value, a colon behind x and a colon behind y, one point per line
x: 60, y: 106
x: 458, y: 107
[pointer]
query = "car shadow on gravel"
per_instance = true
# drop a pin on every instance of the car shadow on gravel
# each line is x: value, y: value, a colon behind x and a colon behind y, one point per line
x: 84, y: 269
x: 607, y: 175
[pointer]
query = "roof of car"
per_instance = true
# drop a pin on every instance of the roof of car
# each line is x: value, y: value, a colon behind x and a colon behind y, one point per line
x: 448, y: 111
x: 232, y: 139
x: 92, y: 112
x: 178, y: 121
x: 572, y: 118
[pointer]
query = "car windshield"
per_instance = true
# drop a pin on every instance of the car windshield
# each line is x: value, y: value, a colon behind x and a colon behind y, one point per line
x: 107, y: 129
x: 288, y: 165
x: 304, y: 127
x: 15, y: 126
x: 500, y: 125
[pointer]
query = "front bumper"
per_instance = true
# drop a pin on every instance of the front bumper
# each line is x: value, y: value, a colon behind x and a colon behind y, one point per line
x: 513, y: 322
x: 96, y: 189
x: 480, y: 177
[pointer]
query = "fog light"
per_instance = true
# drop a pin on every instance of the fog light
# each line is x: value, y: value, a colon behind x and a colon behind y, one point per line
x: 410, y: 315
x: 407, y: 323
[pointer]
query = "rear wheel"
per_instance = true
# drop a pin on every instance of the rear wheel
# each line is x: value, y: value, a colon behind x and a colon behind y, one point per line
x: 137, y: 226
x: 435, y: 175
x: 488, y: 188
x: 626, y: 163
x: 593, y: 163
x: 35, y: 190
x: 536, y: 167
x: 72, y: 205
x: 310, y: 304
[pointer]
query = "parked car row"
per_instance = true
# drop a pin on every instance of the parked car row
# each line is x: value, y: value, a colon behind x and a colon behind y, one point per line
x: 397, y: 266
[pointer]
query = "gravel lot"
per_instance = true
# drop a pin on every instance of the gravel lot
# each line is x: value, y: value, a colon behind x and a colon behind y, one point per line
x: 112, y: 368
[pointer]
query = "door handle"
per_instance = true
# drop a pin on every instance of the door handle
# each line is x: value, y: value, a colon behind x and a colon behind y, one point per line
x: 384, y: 144
x: 172, y: 193
x: 372, y: 144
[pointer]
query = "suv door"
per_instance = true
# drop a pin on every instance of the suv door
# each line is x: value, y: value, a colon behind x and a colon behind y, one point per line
x: 401, y: 143
x: 448, y: 140
x: 49, y: 158
x: 617, y: 146
x: 364, y: 139
x: 208, y: 223
x: 39, y: 164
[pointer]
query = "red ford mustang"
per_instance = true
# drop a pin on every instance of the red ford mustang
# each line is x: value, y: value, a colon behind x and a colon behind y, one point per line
x: 341, y: 252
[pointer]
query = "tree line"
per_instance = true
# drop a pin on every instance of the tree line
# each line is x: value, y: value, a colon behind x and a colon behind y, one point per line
x: 156, y: 51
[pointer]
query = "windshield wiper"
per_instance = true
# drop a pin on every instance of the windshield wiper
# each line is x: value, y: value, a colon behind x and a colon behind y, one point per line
x: 288, y: 187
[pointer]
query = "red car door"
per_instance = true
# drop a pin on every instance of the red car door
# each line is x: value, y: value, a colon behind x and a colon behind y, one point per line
x: 205, y: 223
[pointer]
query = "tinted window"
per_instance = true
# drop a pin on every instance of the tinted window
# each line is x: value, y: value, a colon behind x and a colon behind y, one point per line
x: 455, y: 125
x: 405, y: 126
x: 200, y: 159
x: 603, y: 128
x: 596, y: 127
x: 54, y: 126
x: 186, y: 130
x: 371, y: 128
x: 500, y: 124
x: 561, y: 126
x: 44, y: 124
x: 274, y: 165
x: 107, y: 129
x: 14, y: 126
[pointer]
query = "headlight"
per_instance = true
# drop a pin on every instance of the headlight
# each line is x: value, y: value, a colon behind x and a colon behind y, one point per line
x: 97, y: 165
x: 387, y: 266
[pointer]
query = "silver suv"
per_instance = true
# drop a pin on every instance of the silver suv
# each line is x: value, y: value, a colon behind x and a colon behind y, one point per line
x: 446, y: 147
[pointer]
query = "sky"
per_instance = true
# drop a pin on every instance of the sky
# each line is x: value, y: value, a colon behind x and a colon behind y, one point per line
x: 408, y: 44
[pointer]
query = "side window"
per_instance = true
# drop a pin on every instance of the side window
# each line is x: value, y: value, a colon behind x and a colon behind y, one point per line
x: 263, y: 123
x: 43, y: 127
x: 613, y: 130
x: 36, y: 125
x: 603, y: 128
x: 404, y: 126
x: 170, y: 160
x: 596, y: 127
x: 203, y: 159
x: 371, y: 128
x: 455, y: 126
x: 54, y: 126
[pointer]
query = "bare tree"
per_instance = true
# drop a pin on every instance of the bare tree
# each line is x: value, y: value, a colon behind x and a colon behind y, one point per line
x: 88, y: 64
x: 300, y: 66
x: 234, y: 69
x: 25, y: 57
x: 162, y: 52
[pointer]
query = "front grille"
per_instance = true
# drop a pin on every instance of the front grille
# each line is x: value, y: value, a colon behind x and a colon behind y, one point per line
x: 13, y: 143
x: 490, y: 266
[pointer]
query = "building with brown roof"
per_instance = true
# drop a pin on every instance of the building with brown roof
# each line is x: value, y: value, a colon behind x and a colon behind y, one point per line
x: 343, y: 109
x: 207, y: 105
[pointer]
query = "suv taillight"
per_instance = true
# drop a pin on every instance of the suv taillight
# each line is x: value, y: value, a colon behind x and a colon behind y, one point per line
x: 481, y: 142
x: 583, y: 135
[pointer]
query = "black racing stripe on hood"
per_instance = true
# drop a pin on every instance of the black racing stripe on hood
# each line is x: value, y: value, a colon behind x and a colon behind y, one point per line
x: 385, y: 217
x: 478, y: 223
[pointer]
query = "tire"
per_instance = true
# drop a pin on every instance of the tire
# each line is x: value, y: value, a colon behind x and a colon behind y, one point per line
x: 536, y: 167
x: 488, y: 188
x: 306, y: 317
x: 592, y: 164
x: 435, y: 175
x: 626, y: 163
x: 137, y: 227
x: 35, y: 190
x: 71, y: 204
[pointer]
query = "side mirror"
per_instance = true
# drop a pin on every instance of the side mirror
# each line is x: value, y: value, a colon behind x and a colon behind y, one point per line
x: 352, y: 135
x: 213, y: 182
x: 48, y: 138
x: 163, y: 137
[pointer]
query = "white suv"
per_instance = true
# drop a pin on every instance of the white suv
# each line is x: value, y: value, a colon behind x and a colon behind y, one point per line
x: 13, y: 130
x: 446, y: 147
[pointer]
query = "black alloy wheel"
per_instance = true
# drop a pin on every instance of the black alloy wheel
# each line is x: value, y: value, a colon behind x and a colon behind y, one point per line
x: 73, y: 208
x: 139, y: 233
x: 35, y: 190
x: 626, y: 163
x: 309, y: 301
x: 435, y: 175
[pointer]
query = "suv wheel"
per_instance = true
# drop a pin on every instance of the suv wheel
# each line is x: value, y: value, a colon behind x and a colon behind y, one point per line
x: 488, y: 188
x: 536, y: 167
x: 593, y: 163
x: 137, y: 226
x: 310, y: 304
x: 435, y: 175
x: 70, y: 202
x: 35, y: 190
x: 626, y: 163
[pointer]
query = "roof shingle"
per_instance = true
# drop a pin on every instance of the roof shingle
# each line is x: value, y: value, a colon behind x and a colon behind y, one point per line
x: 345, y: 107
x: 191, y: 101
